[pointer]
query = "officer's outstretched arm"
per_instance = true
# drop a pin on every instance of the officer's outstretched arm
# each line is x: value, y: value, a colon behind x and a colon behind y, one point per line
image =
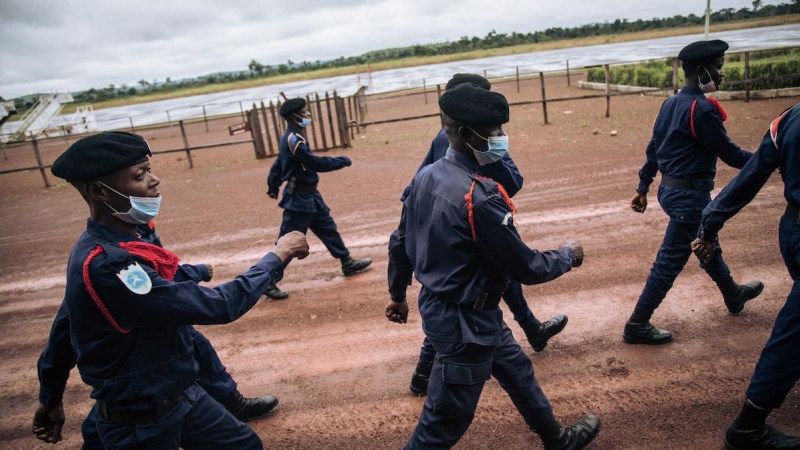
x: 302, y: 152
x: 711, y: 133
x: 500, y: 243
x: 53, y: 367
x: 399, y: 274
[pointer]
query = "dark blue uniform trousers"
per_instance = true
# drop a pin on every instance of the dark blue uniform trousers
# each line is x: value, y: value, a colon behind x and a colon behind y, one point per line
x: 516, y: 303
x: 321, y: 224
x: 778, y: 369
x: 459, y: 373
x: 211, y: 376
x: 671, y: 258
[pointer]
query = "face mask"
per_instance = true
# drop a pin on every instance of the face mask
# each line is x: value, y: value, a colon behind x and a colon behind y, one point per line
x: 498, y: 147
x: 143, y: 209
x: 304, y: 121
x: 707, y: 88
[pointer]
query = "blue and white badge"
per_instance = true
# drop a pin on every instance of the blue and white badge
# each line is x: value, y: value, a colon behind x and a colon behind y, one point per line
x: 508, y: 218
x: 136, y: 279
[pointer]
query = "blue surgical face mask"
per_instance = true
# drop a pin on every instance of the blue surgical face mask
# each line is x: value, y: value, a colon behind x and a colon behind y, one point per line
x: 498, y: 147
x: 142, y: 211
x: 707, y: 88
x: 304, y: 121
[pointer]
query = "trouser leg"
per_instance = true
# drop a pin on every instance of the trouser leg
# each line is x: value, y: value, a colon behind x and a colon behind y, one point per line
x: 457, y: 378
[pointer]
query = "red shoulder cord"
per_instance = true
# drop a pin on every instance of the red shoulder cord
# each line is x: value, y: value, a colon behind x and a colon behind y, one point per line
x: 160, y: 259
x: 470, y: 205
x: 716, y: 104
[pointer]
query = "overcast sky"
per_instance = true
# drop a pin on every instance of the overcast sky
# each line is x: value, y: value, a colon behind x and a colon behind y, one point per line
x: 57, y: 45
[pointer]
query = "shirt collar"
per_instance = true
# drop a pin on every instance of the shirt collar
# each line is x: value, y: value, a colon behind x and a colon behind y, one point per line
x: 460, y: 160
x: 692, y: 91
x: 105, y: 232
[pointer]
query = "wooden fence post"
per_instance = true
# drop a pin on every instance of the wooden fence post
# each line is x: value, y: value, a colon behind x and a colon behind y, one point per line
x: 170, y: 124
x: 608, y: 90
x: 544, y: 97
x: 241, y: 108
x: 517, y: 79
x: 350, y: 115
x: 330, y: 119
x: 278, y: 131
x: 205, y: 117
x: 186, y: 145
x: 439, y: 95
x: 425, y: 90
x: 321, y: 125
x: 133, y: 130
x: 341, y: 120
x: 746, y: 77
x: 266, y: 128
x: 675, y: 79
x: 568, y: 84
x: 39, y: 162
x: 255, y: 131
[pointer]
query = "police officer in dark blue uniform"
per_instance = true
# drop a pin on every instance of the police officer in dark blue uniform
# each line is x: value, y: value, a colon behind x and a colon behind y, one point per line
x: 130, y: 319
x: 303, y: 206
x: 688, y: 137
x: 458, y: 234
x: 506, y: 174
x: 58, y: 359
x: 778, y: 369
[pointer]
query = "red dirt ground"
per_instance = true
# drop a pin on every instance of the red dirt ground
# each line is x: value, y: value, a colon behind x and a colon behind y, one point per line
x: 341, y: 370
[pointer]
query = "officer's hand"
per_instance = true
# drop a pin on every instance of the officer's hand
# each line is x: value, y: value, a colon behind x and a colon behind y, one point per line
x: 291, y: 245
x: 272, y: 194
x: 47, y: 422
x: 639, y: 202
x: 575, y: 247
x: 397, y: 312
x: 210, y: 270
x: 704, y: 250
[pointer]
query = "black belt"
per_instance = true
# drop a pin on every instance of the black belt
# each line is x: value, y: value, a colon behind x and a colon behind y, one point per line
x: 134, y: 416
x: 792, y: 212
x: 681, y: 183
x: 487, y: 301
x: 308, y: 188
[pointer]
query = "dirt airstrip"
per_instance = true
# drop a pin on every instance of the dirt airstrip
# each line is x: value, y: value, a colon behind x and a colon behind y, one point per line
x: 341, y: 370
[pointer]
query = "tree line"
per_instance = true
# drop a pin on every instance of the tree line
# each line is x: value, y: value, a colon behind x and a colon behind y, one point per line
x: 492, y: 40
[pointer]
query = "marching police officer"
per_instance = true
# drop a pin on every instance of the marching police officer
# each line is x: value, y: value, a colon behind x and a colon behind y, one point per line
x: 688, y: 137
x: 303, y: 206
x: 130, y: 319
x: 458, y: 234
x: 58, y: 359
x: 778, y: 369
x: 505, y: 173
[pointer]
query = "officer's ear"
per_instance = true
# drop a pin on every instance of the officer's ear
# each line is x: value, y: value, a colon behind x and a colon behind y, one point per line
x: 93, y: 190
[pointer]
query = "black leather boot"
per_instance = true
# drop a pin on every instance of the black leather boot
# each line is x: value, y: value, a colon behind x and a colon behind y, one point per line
x: 577, y: 436
x: 352, y: 266
x: 539, y: 333
x: 421, y: 377
x: 639, y: 330
x: 750, y: 432
x: 745, y: 292
x: 247, y: 409
x: 275, y: 293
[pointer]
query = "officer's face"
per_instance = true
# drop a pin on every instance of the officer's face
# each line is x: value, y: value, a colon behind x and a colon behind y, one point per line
x: 714, y: 69
x: 136, y: 181
x: 479, y: 138
x: 304, y: 113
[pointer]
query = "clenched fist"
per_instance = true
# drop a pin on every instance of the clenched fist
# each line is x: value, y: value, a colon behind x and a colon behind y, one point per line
x: 577, y: 249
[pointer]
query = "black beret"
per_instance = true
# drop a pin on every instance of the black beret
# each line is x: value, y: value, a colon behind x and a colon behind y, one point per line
x: 101, y: 154
x: 472, y: 105
x: 703, y: 51
x: 461, y: 78
x: 292, y: 106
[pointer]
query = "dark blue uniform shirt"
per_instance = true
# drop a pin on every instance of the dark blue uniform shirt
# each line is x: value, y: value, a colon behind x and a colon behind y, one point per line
x: 778, y: 149
x: 295, y: 160
x: 58, y: 357
x: 453, y: 269
x: 675, y: 152
x: 504, y: 171
x: 153, y: 362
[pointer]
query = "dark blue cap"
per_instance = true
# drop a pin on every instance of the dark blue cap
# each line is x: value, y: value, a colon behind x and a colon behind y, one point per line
x: 703, y: 51
x: 292, y: 106
x: 461, y: 78
x: 472, y: 105
x: 101, y: 154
